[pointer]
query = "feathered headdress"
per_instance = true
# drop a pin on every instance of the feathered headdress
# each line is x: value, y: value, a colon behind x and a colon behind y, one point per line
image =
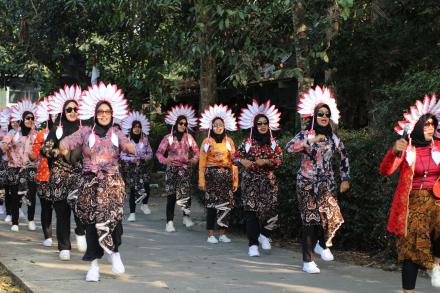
x: 218, y: 111
x: 25, y: 105
x: 102, y: 93
x: 430, y: 105
x: 247, y: 117
x: 58, y: 100
x: 176, y: 112
x: 312, y: 98
x: 5, y: 117
x: 43, y: 114
x: 127, y: 124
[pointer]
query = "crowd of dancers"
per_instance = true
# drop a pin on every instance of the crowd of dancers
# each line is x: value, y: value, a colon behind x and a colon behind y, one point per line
x: 82, y: 152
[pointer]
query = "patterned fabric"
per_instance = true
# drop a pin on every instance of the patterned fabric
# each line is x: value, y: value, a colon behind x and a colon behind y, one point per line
x: 316, y: 186
x: 104, y: 156
x: 143, y: 152
x: 43, y: 167
x: 99, y: 199
x: 3, y: 172
x: 178, y: 152
x: 259, y: 189
x: 178, y: 181
x: 62, y: 180
x: 135, y: 176
x: 22, y: 178
x: 219, y: 193
x: 423, y: 227
x: 42, y: 189
x: 19, y: 150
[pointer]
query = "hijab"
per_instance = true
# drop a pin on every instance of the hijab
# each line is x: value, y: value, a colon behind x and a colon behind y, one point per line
x: 176, y: 131
x: 417, y: 135
x: 324, y: 130
x: 218, y: 137
x: 101, y: 130
x: 69, y: 127
x: 25, y: 130
x: 135, y: 137
x: 261, y: 139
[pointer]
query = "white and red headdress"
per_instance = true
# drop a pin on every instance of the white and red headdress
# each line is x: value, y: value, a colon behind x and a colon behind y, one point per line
x: 5, y: 118
x: 177, y: 111
x: 247, y: 119
x: 217, y: 111
x: 58, y: 100
x: 310, y: 99
x: 430, y: 105
x: 43, y: 114
x: 127, y: 124
x: 102, y: 93
x: 25, y: 105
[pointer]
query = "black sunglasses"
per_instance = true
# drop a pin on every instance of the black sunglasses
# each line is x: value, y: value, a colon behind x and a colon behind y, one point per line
x: 29, y: 118
x: 262, y: 123
x: 71, y: 109
x: 322, y: 115
x: 183, y: 124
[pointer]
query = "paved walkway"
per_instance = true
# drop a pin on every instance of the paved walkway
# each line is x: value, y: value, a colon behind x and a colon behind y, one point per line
x: 156, y: 261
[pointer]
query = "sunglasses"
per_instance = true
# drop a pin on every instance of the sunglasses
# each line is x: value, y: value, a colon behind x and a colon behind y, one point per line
x: 322, y: 115
x: 183, y: 124
x: 429, y: 124
x: 106, y: 112
x: 71, y: 109
x: 262, y: 123
x: 218, y: 126
x: 29, y: 118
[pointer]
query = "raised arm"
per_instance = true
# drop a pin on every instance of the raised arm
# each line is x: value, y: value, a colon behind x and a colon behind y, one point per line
x: 299, y: 143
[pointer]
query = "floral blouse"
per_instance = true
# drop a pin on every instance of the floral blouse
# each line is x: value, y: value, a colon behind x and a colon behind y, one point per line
x: 20, y: 149
x: 143, y: 151
x: 256, y: 152
x: 317, y: 157
x: 178, y: 152
x: 104, y: 156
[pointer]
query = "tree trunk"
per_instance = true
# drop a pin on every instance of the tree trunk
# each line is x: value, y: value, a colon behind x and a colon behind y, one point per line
x: 208, y: 82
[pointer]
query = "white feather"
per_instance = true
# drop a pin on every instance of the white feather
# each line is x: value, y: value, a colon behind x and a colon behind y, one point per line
x: 247, y: 146
x: 228, y: 146
x: 114, y: 138
x: 206, y: 147
x: 59, y: 132
x: 92, y: 139
x: 170, y: 139
x: 410, y: 155
x: 16, y: 136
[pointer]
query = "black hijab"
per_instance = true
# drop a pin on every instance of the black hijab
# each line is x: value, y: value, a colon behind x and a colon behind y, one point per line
x: 69, y: 127
x: 135, y: 137
x: 101, y: 130
x: 25, y: 130
x: 324, y: 130
x: 417, y: 135
x: 218, y: 137
x: 261, y: 139
x: 176, y: 131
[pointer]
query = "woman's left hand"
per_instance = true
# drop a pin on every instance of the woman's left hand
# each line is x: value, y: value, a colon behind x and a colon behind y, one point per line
x: 261, y: 162
x: 345, y: 185
x: 130, y: 148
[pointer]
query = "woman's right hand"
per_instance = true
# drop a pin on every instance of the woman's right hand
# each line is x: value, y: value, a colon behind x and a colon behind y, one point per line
x: 246, y: 163
x: 167, y: 162
x: 400, y: 145
x: 318, y: 138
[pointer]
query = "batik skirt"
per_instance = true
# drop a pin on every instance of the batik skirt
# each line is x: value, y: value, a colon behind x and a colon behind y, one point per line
x: 136, y: 176
x: 62, y: 180
x: 178, y: 183
x: 219, y: 195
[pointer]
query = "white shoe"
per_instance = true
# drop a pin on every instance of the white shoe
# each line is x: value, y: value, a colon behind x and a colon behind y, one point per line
x: 81, y: 242
x: 117, y: 265
x: 2, y: 210
x: 8, y: 218
x: 311, y: 268
x: 435, y: 276
x: 169, y: 227
x: 265, y: 242
x: 14, y: 228
x: 65, y: 254
x: 132, y: 217
x: 212, y: 239
x: 93, y: 273
x: 21, y: 214
x: 47, y: 242
x: 32, y: 226
x: 145, y: 209
x: 187, y: 222
x: 253, y: 250
x: 325, y: 254
x: 224, y: 239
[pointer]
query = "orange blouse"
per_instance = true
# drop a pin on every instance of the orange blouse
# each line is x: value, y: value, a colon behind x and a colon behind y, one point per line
x: 43, y: 167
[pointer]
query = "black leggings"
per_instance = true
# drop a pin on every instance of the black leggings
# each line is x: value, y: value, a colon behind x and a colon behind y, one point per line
x: 8, y: 200
x: 133, y: 194
x: 63, y: 212
x: 94, y: 250
x: 310, y: 235
x: 46, y: 217
x: 171, y: 204
x: 15, y: 205
x: 254, y: 228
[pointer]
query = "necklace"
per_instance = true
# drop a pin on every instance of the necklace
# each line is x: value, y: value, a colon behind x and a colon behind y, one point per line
x: 425, y: 171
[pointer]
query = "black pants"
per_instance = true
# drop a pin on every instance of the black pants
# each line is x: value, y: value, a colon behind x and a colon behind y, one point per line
x: 310, y: 235
x: 94, y: 250
x: 171, y: 204
x: 63, y: 212
x: 254, y: 228
x: 133, y: 197
x: 46, y: 217
x: 8, y: 200
x: 410, y: 269
x: 31, y: 193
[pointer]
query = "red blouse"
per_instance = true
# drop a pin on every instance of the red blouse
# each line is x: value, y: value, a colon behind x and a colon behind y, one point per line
x: 425, y: 164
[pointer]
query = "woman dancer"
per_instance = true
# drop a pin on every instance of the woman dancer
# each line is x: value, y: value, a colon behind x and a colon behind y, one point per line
x: 415, y: 211
x: 134, y: 167
x: 98, y: 201
x: 316, y: 186
x: 218, y: 177
x: 178, y: 145
x: 259, y: 155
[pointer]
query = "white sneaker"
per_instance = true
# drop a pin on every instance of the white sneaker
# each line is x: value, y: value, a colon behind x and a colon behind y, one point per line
x: 187, y: 222
x: 47, y: 242
x: 8, y: 218
x: 93, y: 273
x: 435, y: 276
x: 253, y: 250
x: 224, y: 239
x: 132, y: 217
x: 21, y: 214
x: 212, y: 239
x: 81, y: 242
x: 145, y: 209
x: 311, y: 268
x: 170, y: 227
x: 14, y: 228
x: 32, y: 226
x: 117, y: 265
x: 265, y: 242
x: 325, y: 254
x: 65, y: 254
x: 2, y: 210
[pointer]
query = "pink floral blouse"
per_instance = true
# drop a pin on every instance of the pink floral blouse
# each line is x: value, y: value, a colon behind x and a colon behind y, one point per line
x: 178, y: 152
x: 20, y: 149
x: 143, y: 151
